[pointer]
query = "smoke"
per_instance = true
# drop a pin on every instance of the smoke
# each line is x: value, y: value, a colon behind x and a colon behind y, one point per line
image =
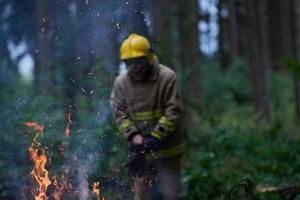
x: 83, y: 182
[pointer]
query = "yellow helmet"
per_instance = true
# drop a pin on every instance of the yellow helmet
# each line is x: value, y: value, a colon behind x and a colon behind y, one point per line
x: 136, y: 46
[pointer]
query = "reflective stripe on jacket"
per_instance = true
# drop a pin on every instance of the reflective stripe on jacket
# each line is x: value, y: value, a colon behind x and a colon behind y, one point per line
x: 151, y: 106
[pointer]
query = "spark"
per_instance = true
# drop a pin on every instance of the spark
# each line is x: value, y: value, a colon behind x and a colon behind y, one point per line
x: 69, y: 122
x: 78, y: 131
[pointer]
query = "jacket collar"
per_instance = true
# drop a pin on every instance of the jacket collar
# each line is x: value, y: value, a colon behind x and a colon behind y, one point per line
x: 154, y: 72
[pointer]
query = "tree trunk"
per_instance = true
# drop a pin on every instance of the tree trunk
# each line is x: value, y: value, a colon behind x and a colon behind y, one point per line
x: 297, y: 97
x: 280, y: 31
x: 257, y: 59
x: 44, y: 78
x: 68, y: 58
x: 189, y: 54
x: 233, y: 38
x: 263, y: 33
x: 222, y: 38
x: 164, y: 30
x: 296, y: 50
x: 189, y: 48
x: 275, y: 33
x: 241, y: 20
x: 286, y: 22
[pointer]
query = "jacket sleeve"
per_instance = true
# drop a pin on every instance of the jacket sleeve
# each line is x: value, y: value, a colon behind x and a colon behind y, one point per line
x: 170, y: 121
x: 120, y: 113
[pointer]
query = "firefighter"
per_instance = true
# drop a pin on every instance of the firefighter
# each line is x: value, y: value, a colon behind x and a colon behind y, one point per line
x: 147, y: 109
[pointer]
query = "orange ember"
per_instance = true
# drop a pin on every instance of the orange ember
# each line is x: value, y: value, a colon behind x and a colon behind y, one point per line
x: 36, y: 126
x: 67, y: 131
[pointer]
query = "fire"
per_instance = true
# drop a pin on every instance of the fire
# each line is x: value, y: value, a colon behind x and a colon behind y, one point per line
x: 39, y: 172
x: 36, y: 126
x: 96, y: 190
x: 67, y: 131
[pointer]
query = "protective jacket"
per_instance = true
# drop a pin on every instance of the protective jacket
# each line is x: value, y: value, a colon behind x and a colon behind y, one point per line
x: 150, y: 107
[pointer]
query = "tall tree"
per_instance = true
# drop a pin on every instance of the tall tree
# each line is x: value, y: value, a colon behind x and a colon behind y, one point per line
x: 222, y: 37
x: 6, y: 62
x: 44, y: 47
x: 189, y: 48
x: 233, y: 34
x: 66, y: 54
x: 280, y: 31
x: 165, y: 30
x: 296, y: 50
x: 84, y: 58
x: 257, y: 56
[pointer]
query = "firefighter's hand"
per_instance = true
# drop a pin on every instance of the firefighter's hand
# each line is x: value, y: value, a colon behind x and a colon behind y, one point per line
x: 137, y: 139
x: 151, y: 144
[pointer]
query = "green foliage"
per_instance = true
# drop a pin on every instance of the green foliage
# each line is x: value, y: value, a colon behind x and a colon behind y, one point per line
x: 225, y: 87
x: 293, y: 65
x: 226, y: 154
x: 228, y: 146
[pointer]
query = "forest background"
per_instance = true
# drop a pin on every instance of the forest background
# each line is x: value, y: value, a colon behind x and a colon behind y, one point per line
x: 237, y: 62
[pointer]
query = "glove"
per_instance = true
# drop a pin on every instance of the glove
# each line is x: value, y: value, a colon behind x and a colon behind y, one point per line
x: 136, y: 163
x: 151, y: 144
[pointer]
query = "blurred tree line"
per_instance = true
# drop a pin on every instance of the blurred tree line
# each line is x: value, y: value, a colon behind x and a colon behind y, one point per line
x: 242, y: 100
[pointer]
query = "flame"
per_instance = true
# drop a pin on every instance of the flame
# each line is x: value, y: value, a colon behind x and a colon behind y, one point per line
x: 36, y: 126
x: 39, y: 172
x: 96, y: 190
x: 67, y: 131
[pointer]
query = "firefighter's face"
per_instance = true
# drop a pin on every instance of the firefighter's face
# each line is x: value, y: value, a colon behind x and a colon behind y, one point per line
x: 137, y: 68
